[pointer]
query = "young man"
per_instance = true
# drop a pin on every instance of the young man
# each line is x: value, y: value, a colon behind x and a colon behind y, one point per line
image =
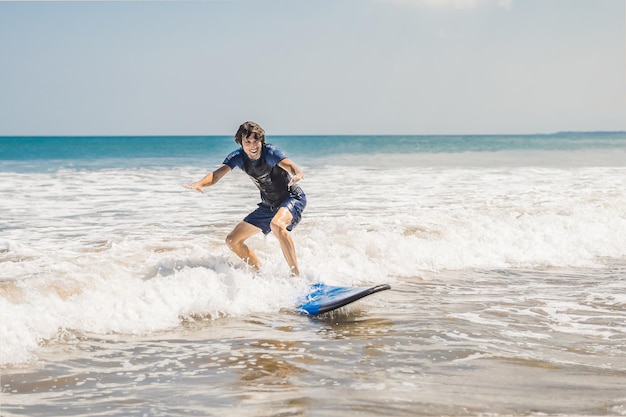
x: 282, y: 202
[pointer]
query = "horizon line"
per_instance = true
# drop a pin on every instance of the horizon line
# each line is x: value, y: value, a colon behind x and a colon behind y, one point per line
x: 560, y: 132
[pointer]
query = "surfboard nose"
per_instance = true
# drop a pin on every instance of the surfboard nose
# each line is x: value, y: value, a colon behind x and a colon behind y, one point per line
x: 324, y: 298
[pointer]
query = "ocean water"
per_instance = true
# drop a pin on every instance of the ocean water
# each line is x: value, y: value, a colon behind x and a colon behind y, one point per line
x: 506, y: 256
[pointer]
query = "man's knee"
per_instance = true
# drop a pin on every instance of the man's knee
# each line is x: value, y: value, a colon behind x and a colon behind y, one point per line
x: 230, y: 240
x: 281, y: 221
x: 278, y: 226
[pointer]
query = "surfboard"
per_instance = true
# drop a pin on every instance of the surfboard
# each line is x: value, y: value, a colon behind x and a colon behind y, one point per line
x: 324, y: 298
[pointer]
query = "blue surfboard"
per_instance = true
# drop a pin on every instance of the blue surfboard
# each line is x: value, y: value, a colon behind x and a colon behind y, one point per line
x: 324, y: 298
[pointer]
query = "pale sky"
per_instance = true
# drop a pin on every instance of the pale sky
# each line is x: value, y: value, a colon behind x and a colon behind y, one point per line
x: 312, y: 66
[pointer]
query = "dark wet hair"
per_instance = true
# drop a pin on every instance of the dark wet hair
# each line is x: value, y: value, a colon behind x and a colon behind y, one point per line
x: 250, y: 128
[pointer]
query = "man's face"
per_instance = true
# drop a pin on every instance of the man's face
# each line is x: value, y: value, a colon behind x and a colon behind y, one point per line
x: 252, y: 146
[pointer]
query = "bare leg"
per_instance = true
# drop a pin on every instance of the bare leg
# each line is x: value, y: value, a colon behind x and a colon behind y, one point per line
x: 279, y: 224
x: 235, y: 241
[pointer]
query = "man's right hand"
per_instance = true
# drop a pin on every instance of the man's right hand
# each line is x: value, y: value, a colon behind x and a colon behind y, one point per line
x: 194, y: 186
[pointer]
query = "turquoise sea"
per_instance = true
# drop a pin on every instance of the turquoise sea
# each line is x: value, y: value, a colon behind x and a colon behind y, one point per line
x: 119, y: 151
x: 506, y: 255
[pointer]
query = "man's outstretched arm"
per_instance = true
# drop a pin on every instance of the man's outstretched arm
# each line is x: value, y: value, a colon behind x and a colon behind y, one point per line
x: 209, y: 179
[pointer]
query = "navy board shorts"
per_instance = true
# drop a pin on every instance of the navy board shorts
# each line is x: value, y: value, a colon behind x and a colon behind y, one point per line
x: 263, y: 215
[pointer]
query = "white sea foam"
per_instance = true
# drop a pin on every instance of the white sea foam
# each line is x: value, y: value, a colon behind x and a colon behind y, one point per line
x: 131, y: 251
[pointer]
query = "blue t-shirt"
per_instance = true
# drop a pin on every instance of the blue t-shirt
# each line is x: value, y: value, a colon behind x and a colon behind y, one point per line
x: 271, y: 180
